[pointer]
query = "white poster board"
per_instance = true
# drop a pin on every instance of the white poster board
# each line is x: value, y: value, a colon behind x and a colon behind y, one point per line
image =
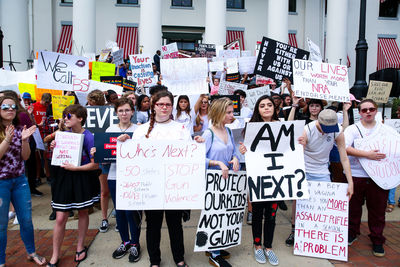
x: 230, y: 53
x: 220, y: 223
x: 232, y: 65
x: 160, y: 174
x: 252, y: 95
x: 68, y: 149
x: 142, y: 70
x: 8, y: 77
x: 275, y: 161
x: 216, y: 65
x: 38, y: 140
x: 185, y: 76
x: 321, y: 80
x: 118, y: 57
x: 247, y: 64
x: 322, y: 222
x: 315, y: 53
x: 394, y: 123
x: 169, y: 51
x: 384, y: 172
x: 62, y: 72
x: 227, y: 88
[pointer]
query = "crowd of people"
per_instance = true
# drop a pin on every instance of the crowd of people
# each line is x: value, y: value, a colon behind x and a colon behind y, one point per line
x: 329, y: 155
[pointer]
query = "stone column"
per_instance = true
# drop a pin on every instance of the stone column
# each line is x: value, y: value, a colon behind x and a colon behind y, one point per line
x: 150, y: 26
x: 84, y: 27
x: 215, y: 23
x: 278, y: 20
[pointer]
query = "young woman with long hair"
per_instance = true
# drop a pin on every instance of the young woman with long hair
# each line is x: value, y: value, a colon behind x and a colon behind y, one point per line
x: 201, y: 109
x: 183, y: 113
x: 143, y: 109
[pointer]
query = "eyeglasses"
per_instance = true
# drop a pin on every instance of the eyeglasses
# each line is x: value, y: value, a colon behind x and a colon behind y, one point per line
x: 129, y: 72
x: 204, y: 102
x: 68, y: 115
x: 161, y: 105
x: 124, y: 111
x: 7, y: 107
x: 364, y: 110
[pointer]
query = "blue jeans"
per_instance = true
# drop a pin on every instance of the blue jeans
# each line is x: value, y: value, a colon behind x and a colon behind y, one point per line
x: 318, y: 177
x: 17, y: 191
x: 391, y: 196
x: 125, y: 219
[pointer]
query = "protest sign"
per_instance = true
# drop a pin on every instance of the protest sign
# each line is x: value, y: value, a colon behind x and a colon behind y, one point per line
x: 232, y: 65
x: 160, y: 174
x: 322, y: 222
x: 128, y: 85
x: 379, y: 91
x: 68, y: 149
x: 99, y: 118
x: 246, y: 53
x: 216, y: 66
x: 227, y: 88
x: 394, y: 123
x: 185, y: 76
x: 252, y: 95
x: 90, y: 56
x: 275, y: 161
x: 38, y: 139
x: 205, y: 50
x: 118, y: 57
x: 169, y: 51
x: 104, y: 54
x: 142, y: 70
x: 229, y: 53
x: 275, y: 59
x: 39, y: 92
x: 235, y: 99
x: 106, y: 146
x: 28, y: 88
x: 315, y: 53
x: 62, y: 72
x: 220, y: 223
x: 102, y: 69
x: 247, y: 64
x: 116, y: 80
x: 8, y: 77
x: 263, y: 80
x: 384, y: 172
x: 321, y: 80
x: 59, y: 103
x: 238, y: 137
x: 93, y: 85
x: 234, y: 77
x: 234, y: 45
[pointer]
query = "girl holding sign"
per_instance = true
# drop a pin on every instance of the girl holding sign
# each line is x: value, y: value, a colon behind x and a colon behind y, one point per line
x: 183, y: 113
x: 14, y: 149
x: 74, y: 187
x: 264, y: 111
x: 220, y: 154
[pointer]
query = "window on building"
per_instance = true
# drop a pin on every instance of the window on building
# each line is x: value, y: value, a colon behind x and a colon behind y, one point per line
x: 292, y: 6
x: 388, y: 8
x: 66, y: 1
x: 128, y: 2
x: 183, y: 3
x: 236, y: 4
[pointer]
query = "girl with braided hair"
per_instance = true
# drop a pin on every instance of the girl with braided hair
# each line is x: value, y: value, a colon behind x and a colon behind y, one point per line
x: 162, y: 127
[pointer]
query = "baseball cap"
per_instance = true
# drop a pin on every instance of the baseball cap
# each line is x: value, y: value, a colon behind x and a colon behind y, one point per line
x: 328, y: 121
x: 353, y: 98
x: 26, y: 95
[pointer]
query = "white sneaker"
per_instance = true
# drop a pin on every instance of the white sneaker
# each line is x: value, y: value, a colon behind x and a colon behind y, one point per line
x: 272, y: 258
x: 15, y: 220
x: 11, y: 215
x: 259, y: 255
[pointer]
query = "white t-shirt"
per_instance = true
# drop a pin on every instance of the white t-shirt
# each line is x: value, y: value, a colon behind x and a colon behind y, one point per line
x: 318, y: 148
x: 236, y: 124
x: 163, y: 131
x: 186, y: 119
x: 352, y: 133
x: 112, y: 174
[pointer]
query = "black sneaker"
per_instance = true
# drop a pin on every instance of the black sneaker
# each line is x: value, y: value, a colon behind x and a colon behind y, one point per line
x: 121, y: 251
x: 378, y: 250
x: 282, y: 205
x: 52, y: 216
x: 134, y: 253
x: 36, y: 193
x: 218, y: 261
x: 351, y: 240
x: 290, y: 240
x: 223, y: 253
x: 104, y: 226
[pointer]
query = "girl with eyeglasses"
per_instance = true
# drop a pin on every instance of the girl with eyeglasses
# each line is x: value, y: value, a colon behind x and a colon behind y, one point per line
x: 14, y: 149
x: 201, y: 109
x: 74, y: 187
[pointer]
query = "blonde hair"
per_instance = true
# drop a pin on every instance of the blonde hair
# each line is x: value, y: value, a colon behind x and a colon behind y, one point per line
x: 198, y: 105
x: 218, y: 109
x: 97, y: 96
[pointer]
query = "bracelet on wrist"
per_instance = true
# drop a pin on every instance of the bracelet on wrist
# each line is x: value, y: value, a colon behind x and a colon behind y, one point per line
x: 295, y: 105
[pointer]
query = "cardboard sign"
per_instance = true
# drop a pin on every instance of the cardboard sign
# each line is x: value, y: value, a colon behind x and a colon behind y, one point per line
x: 39, y: 92
x: 102, y: 69
x: 68, y: 149
x: 229, y: 53
x: 247, y: 64
x: 252, y: 95
x: 118, y: 57
x: 142, y: 70
x: 315, y: 53
x: 128, y: 85
x: 227, y: 88
x: 220, y: 223
x: 322, y: 222
x: 216, y: 66
x: 59, y: 103
x: 185, y: 76
x: 29, y: 88
x: 104, y: 87
x: 38, y: 140
x: 160, y: 174
x: 321, y: 80
x: 379, y: 91
x: 232, y: 65
x: 394, y: 123
x: 104, y: 54
x: 106, y: 146
x: 8, y: 77
x: 116, y: 80
x: 275, y: 59
x: 235, y: 99
x: 205, y: 50
x: 99, y: 118
x: 384, y: 172
x: 169, y: 51
x: 261, y: 80
x: 62, y: 72
x: 246, y: 53
x: 275, y: 161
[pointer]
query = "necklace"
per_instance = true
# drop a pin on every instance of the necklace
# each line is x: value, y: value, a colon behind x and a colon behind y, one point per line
x: 163, y: 121
x: 124, y: 130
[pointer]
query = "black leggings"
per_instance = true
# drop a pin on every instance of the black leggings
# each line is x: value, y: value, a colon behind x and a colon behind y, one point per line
x: 31, y: 165
x: 267, y: 209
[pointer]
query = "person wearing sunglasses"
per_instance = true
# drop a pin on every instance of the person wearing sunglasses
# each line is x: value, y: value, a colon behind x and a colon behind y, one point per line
x: 74, y: 187
x: 201, y: 109
x: 365, y: 189
x: 14, y: 150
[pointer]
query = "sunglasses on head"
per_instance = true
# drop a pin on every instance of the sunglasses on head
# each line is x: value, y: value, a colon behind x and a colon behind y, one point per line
x: 7, y: 107
x: 364, y: 110
x: 68, y: 115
